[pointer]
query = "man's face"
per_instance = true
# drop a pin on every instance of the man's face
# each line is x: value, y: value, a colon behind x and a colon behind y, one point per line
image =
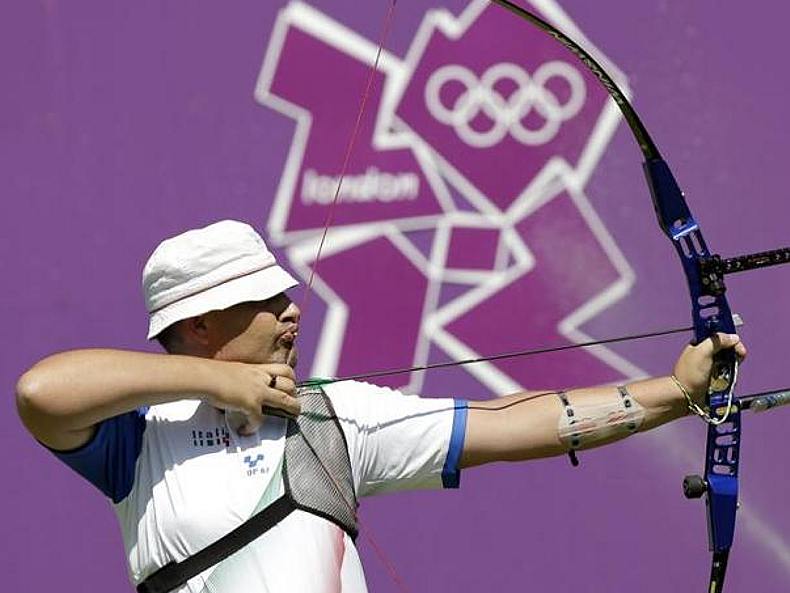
x: 257, y: 331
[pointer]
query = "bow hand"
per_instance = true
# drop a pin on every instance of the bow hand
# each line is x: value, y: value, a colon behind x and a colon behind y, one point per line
x: 704, y: 365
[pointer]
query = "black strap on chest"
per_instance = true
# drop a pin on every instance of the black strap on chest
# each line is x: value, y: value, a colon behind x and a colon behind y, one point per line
x: 174, y: 574
x: 308, y: 487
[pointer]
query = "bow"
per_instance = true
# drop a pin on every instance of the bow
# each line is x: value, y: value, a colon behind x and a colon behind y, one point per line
x: 710, y: 313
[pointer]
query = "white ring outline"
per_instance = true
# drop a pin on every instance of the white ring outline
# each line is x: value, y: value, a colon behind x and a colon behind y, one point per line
x: 508, y: 114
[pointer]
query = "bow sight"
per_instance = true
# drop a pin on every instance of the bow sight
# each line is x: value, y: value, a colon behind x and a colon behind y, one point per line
x: 713, y: 268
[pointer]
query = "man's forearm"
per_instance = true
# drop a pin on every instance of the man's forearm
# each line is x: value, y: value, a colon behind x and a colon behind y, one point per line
x: 528, y: 425
x: 63, y: 396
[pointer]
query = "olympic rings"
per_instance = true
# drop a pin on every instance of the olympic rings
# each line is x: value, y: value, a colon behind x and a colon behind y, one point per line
x: 506, y: 113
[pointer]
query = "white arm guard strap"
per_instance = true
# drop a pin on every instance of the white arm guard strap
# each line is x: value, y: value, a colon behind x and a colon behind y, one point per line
x: 585, y: 425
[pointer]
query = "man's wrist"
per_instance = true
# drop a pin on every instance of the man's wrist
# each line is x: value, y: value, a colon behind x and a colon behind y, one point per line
x: 202, y: 378
x: 692, y: 406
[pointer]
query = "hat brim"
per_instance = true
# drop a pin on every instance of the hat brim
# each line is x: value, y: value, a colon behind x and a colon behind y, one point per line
x: 258, y: 286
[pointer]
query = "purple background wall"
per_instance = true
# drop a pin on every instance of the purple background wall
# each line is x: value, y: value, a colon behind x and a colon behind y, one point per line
x: 121, y: 123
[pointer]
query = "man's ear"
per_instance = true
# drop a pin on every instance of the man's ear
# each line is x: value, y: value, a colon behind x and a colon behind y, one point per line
x: 195, y: 330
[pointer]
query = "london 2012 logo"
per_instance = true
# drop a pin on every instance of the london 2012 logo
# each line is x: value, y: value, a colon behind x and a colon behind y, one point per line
x: 462, y: 227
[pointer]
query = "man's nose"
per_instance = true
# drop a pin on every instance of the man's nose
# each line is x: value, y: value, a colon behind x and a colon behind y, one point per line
x: 291, y: 314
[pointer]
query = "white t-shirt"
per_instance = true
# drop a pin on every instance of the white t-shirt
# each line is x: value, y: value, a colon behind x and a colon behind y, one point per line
x: 181, y: 477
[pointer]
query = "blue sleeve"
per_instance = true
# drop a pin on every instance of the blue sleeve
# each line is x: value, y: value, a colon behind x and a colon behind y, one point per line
x: 108, y: 460
x: 451, y: 473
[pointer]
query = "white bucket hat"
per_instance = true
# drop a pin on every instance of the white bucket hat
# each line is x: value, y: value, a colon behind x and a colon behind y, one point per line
x: 209, y: 269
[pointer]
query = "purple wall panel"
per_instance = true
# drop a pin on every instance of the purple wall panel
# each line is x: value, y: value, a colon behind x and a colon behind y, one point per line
x: 121, y: 123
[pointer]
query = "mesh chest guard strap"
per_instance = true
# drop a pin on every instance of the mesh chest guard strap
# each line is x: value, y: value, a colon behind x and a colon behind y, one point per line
x: 317, y: 479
